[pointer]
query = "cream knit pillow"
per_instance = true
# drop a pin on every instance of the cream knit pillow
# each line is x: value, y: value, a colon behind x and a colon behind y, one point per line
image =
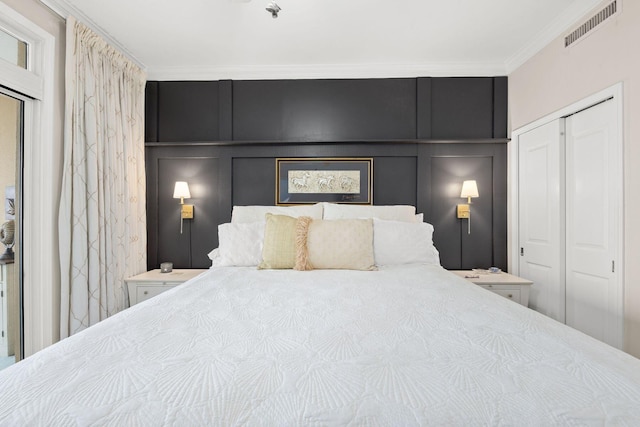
x: 334, y: 244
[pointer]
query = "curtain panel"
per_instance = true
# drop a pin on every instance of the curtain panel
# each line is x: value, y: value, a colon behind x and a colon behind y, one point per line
x: 102, y: 218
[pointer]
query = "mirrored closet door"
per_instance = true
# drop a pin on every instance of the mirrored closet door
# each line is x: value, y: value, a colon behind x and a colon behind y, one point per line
x: 11, y: 131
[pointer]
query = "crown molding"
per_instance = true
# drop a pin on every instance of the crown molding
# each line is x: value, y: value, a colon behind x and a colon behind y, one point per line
x: 560, y: 25
x: 64, y: 9
x: 576, y: 11
x: 324, y: 71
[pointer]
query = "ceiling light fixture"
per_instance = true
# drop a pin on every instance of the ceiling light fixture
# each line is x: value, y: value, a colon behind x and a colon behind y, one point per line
x: 274, y: 9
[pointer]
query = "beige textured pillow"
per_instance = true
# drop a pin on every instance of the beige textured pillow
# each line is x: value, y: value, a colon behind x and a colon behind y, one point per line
x: 334, y: 244
x: 279, y: 247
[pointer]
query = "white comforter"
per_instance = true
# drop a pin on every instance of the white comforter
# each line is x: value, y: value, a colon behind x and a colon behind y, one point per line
x: 401, y: 346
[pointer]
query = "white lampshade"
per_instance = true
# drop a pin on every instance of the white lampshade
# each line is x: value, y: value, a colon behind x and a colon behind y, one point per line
x: 181, y: 191
x: 469, y: 189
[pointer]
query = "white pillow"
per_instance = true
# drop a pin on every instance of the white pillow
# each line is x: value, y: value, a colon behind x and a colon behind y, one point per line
x: 403, y: 213
x: 420, y: 217
x: 240, y: 245
x: 243, y: 214
x: 216, y: 260
x: 214, y: 254
x: 397, y: 242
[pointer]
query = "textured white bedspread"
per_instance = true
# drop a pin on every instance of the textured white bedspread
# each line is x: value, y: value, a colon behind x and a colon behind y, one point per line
x: 411, y: 345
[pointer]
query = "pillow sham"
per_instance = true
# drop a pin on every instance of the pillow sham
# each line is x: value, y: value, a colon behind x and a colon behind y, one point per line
x: 214, y: 254
x: 279, y: 247
x: 404, y: 213
x: 257, y: 213
x: 345, y: 244
x: 239, y: 245
x: 397, y: 242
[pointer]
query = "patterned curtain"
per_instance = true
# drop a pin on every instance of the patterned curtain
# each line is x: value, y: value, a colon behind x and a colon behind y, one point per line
x: 102, y: 221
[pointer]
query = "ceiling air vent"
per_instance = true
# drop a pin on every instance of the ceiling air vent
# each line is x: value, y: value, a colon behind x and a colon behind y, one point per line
x: 592, y: 23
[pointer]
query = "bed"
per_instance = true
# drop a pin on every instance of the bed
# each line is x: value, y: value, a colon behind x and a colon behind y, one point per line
x: 400, y: 344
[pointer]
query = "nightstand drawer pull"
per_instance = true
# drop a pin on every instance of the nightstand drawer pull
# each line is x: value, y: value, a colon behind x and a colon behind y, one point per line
x: 511, y: 294
x: 144, y: 292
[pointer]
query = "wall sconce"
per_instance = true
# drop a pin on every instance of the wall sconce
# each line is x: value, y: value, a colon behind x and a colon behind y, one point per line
x: 469, y: 190
x: 181, y: 191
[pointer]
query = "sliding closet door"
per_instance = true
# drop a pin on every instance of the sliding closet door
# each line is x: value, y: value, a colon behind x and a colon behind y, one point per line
x: 541, y: 250
x: 593, y: 209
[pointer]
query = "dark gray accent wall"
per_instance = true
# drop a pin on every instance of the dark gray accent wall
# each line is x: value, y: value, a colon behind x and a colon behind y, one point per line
x: 188, y: 111
x: 279, y: 110
x: 461, y: 108
x: 188, y: 249
x: 428, y: 176
x: 426, y: 136
x: 151, y: 112
x: 426, y: 108
x: 446, y: 167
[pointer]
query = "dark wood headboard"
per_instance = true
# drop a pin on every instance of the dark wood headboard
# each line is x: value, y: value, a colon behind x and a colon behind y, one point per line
x: 425, y: 135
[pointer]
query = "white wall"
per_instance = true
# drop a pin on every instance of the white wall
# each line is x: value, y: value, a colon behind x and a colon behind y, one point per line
x: 50, y: 22
x: 557, y: 77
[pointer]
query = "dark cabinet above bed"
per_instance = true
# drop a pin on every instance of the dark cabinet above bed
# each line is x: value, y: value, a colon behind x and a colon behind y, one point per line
x: 462, y: 108
x: 339, y: 110
x: 183, y: 111
x: 324, y: 110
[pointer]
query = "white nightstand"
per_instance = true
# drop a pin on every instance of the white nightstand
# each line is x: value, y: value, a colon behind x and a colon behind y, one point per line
x: 152, y: 283
x: 507, y: 285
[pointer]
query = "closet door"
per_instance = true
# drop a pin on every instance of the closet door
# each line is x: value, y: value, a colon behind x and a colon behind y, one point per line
x: 593, y: 216
x: 540, y: 192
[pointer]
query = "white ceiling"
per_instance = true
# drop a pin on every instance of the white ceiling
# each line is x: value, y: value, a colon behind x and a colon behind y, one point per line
x: 235, y: 39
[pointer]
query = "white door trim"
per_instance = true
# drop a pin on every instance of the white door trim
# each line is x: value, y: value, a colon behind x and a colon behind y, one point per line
x: 40, y: 261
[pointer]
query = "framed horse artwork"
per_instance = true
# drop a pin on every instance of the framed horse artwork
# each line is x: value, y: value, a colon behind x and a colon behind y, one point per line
x: 334, y: 180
